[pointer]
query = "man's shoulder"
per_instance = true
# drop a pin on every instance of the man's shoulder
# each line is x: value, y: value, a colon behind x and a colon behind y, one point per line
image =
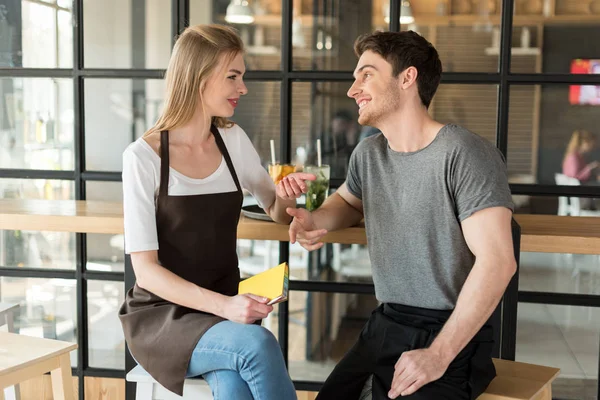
x: 459, y: 140
x: 370, y: 144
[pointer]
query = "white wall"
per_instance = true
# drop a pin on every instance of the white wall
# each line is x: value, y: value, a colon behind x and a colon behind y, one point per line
x: 201, y: 12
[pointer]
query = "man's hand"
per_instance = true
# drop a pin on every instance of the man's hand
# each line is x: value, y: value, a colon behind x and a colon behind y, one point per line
x: 293, y: 185
x: 415, y: 369
x: 304, y: 230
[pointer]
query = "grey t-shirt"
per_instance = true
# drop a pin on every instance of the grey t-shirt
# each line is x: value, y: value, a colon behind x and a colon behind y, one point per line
x: 413, y: 205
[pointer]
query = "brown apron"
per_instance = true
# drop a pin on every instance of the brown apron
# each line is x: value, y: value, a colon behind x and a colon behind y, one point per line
x: 197, y: 241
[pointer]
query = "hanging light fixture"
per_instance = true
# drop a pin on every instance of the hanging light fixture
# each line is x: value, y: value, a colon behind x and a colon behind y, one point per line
x: 239, y: 12
x: 406, y: 15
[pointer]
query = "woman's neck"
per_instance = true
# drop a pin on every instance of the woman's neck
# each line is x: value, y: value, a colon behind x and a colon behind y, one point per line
x: 195, y: 131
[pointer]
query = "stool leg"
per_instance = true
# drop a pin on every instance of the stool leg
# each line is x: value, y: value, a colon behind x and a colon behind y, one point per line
x: 12, y: 393
x: 1, y: 394
x: 62, y: 382
x: 10, y: 322
x: 144, y: 391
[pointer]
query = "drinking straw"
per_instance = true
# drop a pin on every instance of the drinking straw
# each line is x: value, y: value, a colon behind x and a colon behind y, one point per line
x: 273, y: 152
x: 319, y: 152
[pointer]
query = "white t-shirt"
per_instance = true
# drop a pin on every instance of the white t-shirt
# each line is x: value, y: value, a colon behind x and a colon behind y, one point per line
x: 141, y: 181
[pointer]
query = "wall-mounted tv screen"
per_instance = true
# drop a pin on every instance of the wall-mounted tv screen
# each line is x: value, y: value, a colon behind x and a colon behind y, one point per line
x: 585, y: 94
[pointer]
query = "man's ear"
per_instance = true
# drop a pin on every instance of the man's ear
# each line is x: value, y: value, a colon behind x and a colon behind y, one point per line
x: 408, y: 77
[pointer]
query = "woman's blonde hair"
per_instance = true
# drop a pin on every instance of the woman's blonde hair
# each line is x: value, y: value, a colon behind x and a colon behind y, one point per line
x: 195, y: 57
x: 579, y: 138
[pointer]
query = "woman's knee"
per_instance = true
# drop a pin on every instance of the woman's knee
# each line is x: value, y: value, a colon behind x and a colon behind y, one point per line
x: 261, y: 338
x: 261, y: 346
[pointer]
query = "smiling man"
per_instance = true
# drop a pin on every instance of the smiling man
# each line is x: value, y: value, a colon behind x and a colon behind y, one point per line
x: 437, y: 208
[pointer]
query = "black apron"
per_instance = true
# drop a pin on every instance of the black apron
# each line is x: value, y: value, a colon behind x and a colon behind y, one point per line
x: 197, y: 241
x: 393, y: 329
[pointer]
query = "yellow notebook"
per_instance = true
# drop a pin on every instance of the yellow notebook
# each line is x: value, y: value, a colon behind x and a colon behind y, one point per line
x: 272, y: 284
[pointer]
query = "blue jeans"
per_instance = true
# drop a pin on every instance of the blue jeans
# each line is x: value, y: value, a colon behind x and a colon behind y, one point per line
x: 241, y: 362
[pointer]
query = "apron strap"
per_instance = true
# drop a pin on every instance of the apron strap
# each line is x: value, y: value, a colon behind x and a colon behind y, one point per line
x: 164, y: 164
x: 223, y: 148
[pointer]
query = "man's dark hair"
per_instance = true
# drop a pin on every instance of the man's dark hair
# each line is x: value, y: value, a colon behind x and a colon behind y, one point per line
x: 403, y: 50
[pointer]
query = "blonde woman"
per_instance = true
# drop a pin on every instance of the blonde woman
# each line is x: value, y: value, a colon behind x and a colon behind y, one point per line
x: 182, y: 191
x: 574, y: 163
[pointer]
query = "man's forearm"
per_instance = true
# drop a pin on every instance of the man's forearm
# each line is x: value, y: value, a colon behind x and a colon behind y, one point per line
x: 478, y: 298
x: 336, y: 213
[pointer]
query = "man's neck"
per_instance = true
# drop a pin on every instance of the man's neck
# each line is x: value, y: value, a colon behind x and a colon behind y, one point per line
x: 410, y: 130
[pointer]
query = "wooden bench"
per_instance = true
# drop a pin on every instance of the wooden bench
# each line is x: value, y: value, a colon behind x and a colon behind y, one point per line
x: 25, y: 357
x: 517, y: 380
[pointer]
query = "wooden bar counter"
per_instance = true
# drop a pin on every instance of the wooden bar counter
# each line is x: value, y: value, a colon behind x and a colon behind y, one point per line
x: 539, y: 233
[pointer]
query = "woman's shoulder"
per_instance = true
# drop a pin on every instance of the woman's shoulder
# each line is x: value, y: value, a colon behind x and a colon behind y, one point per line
x: 235, y: 137
x: 232, y: 131
x: 143, y: 150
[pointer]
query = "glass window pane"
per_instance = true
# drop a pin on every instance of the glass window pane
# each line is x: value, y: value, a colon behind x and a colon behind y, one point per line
x: 117, y: 112
x: 105, y: 252
x: 258, y: 23
x: 105, y: 334
x: 34, y: 34
x: 543, y: 120
x: 36, y: 123
x: 323, y: 34
x: 474, y: 107
x: 559, y: 272
x: 256, y: 256
x: 258, y: 115
x: 321, y: 110
x: 558, y: 205
x: 48, y: 307
x: 139, y: 35
x: 526, y: 51
x: 564, y: 337
x: 323, y: 327
x: 465, y: 33
x: 37, y: 249
x: 563, y: 27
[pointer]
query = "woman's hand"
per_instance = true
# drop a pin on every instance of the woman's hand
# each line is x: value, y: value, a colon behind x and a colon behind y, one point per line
x: 293, y: 185
x: 246, y: 308
x: 303, y: 229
